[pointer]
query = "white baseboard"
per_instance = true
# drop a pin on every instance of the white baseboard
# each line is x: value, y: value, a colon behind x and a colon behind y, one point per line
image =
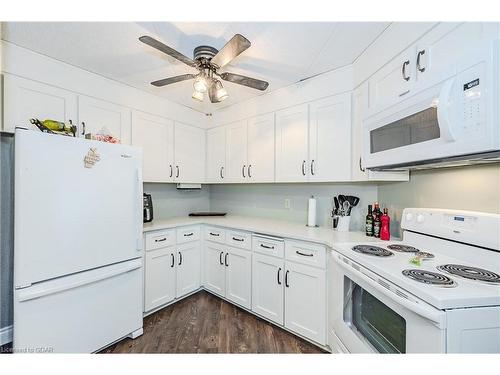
x: 5, y: 335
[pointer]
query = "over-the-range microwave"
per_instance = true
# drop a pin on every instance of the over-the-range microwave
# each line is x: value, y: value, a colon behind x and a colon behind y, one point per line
x: 453, y: 120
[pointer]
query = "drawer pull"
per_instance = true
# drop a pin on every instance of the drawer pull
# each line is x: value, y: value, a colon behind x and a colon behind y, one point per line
x: 238, y: 239
x: 188, y: 234
x: 267, y: 247
x: 161, y: 239
x: 304, y: 254
x: 215, y: 234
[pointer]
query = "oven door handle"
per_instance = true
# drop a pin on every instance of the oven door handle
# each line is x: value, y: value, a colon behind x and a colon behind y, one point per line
x: 436, y: 316
x: 443, y: 111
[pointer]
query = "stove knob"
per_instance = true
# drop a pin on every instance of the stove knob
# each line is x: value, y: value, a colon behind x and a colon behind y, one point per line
x: 409, y: 216
x: 420, y: 218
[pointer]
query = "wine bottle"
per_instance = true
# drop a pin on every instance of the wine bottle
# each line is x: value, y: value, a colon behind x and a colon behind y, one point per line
x: 385, y: 230
x: 376, y: 221
x: 369, y: 222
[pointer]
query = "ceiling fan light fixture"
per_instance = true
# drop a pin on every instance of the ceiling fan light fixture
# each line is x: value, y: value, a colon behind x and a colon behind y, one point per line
x: 200, y: 84
x: 197, y: 96
x: 219, y: 92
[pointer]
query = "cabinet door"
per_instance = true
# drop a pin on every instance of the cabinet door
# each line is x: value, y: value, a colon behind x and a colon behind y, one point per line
x: 239, y: 276
x: 393, y: 82
x: 330, y: 139
x: 159, y: 277
x: 236, y: 153
x: 189, y: 153
x: 216, y: 154
x: 359, y: 109
x: 291, y: 144
x: 25, y: 99
x: 261, y: 145
x: 267, y: 287
x: 97, y: 115
x: 155, y: 135
x: 305, y: 301
x: 214, y: 269
x: 188, y: 259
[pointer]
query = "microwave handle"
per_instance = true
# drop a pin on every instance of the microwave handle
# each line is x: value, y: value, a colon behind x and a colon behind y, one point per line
x: 443, y: 111
x: 429, y: 313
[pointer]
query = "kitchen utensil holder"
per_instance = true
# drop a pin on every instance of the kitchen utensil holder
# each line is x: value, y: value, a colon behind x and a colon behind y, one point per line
x: 343, y: 223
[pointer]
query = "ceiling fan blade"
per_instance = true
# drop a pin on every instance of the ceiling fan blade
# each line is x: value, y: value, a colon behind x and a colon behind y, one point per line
x: 168, y: 81
x: 167, y: 50
x: 233, y: 48
x: 245, y: 81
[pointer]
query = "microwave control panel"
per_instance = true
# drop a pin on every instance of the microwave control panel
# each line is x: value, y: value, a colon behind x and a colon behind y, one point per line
x: 472, y: 98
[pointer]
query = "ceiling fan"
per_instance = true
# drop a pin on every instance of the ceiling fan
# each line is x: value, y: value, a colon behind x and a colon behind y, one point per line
x: 208, y: 60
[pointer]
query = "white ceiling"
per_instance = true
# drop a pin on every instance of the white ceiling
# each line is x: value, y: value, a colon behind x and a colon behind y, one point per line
x: 281, y: 53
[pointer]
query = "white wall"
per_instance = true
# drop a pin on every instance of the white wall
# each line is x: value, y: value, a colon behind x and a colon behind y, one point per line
x: 268, y: 200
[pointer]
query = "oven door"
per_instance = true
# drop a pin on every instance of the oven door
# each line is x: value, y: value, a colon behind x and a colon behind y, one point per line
x: 373, y: 316
x: 447, y: 119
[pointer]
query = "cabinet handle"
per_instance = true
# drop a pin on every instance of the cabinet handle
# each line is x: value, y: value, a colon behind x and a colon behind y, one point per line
x: 304, y: 254
x: 171, y: 171
x: 188, y: 234
x: 221, y: 170
x: 420, y: 68
x: 404, y: 93
x: 286, y: 279
x: 312, y: 167
x: 177, y: 174
x: 220, y: 258
x: 173, y: 260
x: 304, y: 168
x: 267, y: 247
x: 215, y: 234
x: 279, y: 271
x: 249, y: 170
x: 403, y: 70
x: 225, y: 260
x: 161, y: 239
x: 243, y: 171
x: 180, y: 258
x: 83, y: 128
x: 238, y: 239
x: 360, y: 166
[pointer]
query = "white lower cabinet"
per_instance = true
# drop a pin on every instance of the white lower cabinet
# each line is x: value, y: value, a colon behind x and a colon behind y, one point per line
x: 305, y: 301
x: 267, y: 287
x: 188, y: 268
x: 228, y: 273
x: 159, y: 277
x: 238, y: 265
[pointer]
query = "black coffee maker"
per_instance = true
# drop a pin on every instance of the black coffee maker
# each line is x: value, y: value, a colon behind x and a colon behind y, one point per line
x: 148, y: 208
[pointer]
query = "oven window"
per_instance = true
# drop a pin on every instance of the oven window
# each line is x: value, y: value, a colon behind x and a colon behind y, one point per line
x: 382, y: 327
x: 419, y: 127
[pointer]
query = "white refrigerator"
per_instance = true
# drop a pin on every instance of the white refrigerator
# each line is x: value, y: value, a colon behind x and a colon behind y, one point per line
x: 77, y: 243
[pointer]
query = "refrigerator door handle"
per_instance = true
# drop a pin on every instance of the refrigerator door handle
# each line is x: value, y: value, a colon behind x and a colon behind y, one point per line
x: 140, y: 210
x: 26, y: 295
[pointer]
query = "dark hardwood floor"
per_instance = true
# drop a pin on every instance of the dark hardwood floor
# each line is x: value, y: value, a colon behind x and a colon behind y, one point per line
x: 203, y: 323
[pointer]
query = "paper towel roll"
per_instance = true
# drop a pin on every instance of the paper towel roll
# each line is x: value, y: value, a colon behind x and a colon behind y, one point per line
x: 311, y: 212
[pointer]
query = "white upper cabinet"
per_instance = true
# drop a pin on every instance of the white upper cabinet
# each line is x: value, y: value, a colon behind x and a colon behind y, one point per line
x: 155, y: 135
x: 261, y: 145
x: 292, y: 128
x: 394, y: 81
x: 236, y: 152
x: 359, y: 108
x: 96, y: 115
x: 189, y: 157
x: 216, y: 155
x: 25, y: 99
x: 330, y: 139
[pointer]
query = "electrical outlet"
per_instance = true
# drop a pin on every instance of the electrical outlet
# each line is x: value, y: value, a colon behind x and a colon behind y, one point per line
x: 287, y: 204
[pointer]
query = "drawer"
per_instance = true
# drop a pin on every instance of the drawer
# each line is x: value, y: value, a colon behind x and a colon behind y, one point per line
x: 306, y: 253
x: 268, y: 246
x: 188, y: 234
x: 239, y: 239
x: 159, y: 239
x: 215, y: 234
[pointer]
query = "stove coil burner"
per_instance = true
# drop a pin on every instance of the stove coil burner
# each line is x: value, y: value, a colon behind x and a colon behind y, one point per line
x: 428, y: 277
x: 424, y: 255
x: 471, y: 273
x: 403, y: 248
x: 372, y: 250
